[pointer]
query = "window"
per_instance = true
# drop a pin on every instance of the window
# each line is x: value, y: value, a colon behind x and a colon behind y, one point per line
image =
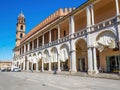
x: 31, y: 45
x: 35, y: 43
x: 40, y: 41
x: 21, y: 35
x: 21, y: 27
x: 64, y: 33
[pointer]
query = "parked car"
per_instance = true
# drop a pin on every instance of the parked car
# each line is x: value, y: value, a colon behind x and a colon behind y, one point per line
x: 16, y: 69
x: 3, y: 70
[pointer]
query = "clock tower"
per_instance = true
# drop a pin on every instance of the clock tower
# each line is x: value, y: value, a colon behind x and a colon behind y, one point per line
x: 20, y: 28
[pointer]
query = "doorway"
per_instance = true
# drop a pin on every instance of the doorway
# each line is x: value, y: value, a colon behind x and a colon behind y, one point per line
x: 113, y: 64
x: 81, y: 64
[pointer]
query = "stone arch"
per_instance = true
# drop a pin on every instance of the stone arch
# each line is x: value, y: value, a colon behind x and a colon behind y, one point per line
x: 46, y: 59
x: 106, y: 39
x: 65, y: 46
x: 106, y: 31
x: 81, y: 55
x: 107, y: 51
x: 54, y: 53
x: 40, y: 60
x: 54, y: 58
x: 64, y: 57
x: 34, y: 60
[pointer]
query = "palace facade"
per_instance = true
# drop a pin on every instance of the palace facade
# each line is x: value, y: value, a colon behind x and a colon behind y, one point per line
x: 83, y: 39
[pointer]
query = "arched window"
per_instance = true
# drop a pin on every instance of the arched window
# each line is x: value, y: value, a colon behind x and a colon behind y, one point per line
x: 21, y: 35
x: 21, y: 27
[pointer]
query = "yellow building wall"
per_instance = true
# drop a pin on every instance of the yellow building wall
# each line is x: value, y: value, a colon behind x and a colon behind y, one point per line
x: 64, y: 27
x: 80, y: 21
x: 102, y: 56
x: 105, y: 11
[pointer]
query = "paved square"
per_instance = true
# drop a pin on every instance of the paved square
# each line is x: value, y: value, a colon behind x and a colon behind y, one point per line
x: 43, y: 81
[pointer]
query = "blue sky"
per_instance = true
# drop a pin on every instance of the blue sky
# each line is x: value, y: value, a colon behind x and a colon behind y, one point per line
x: 35, y: 11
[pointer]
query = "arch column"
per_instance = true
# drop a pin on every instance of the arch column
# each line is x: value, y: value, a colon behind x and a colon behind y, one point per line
x: 27, y: 65
x: 42, y: 64
x: 90, y: 56
x: 95, y: 61
x: 49, y: 63
x: 32, y: 65
x: 90, y: 63
x: 59, y: 70
x: 72, y: 57
x: 24, y: 65
x: 72, y: 45
x: 37, y: 66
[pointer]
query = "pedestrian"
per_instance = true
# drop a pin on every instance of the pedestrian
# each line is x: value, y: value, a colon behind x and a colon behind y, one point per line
x: 31, y: 70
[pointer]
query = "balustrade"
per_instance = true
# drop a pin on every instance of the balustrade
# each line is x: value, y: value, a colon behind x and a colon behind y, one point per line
x: 93, y: 28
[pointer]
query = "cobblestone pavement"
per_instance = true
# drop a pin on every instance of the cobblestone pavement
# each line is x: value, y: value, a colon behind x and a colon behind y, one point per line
x: 43, y: 81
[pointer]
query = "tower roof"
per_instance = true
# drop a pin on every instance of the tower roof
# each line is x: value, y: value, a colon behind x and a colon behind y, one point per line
x: 21, y: 15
